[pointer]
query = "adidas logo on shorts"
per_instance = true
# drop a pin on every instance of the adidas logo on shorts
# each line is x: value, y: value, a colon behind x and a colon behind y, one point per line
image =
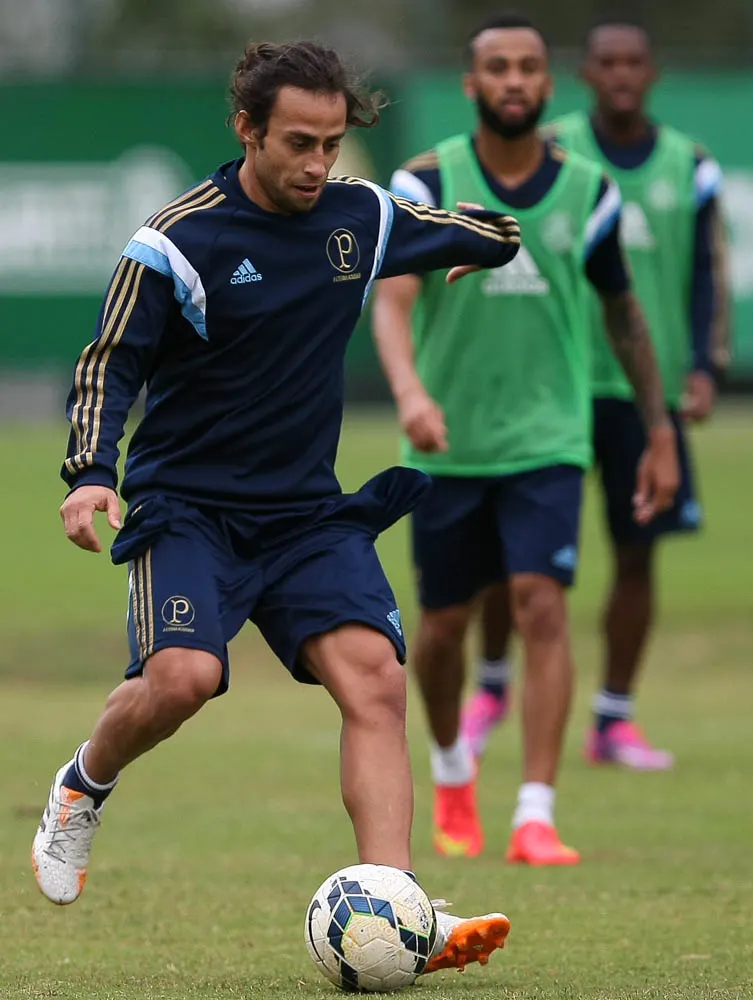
x: 393, y: 617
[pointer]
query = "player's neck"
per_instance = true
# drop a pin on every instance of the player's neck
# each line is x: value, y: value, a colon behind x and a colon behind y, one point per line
x: 510, y: 161
x: 253, y: 190
x: 622, y: 130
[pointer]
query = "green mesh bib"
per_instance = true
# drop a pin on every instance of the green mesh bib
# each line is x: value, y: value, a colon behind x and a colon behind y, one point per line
x: 658, y: 220
x: 505, y: 352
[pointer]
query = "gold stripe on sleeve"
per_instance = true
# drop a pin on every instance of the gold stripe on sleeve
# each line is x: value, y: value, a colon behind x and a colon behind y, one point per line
x: 178, y: 202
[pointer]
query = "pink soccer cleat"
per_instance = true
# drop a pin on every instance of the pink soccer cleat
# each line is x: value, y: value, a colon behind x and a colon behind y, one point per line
x: 624, y: 743
x: 483, y: 711
x: 538, y: 844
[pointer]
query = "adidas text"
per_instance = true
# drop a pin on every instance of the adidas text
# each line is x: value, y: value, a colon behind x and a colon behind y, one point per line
x: 245, y: 273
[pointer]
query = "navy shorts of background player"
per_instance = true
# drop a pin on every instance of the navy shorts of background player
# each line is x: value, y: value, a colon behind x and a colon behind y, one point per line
x: 237, y: 321
x: 619, y: 442
x: 469, y: 532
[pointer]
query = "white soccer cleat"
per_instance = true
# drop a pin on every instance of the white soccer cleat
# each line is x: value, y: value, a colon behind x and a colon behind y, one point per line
x: 61, y: 848
x: 461, y: 941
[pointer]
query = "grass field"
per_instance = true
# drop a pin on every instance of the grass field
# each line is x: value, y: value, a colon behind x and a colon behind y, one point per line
x: 212, y: 845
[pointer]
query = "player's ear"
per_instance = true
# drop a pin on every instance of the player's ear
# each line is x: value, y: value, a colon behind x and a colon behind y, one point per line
x: 469, y: 87
x: 245, y: 131
x: 549, y: 92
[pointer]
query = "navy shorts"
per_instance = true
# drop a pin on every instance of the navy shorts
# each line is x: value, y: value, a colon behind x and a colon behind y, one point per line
x: 619, y: 442
x: 470, y: 532
x: 197, y: 574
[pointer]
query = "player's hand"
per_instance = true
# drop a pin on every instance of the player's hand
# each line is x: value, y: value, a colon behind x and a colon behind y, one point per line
x: 700, y: 397
x: 658, y: 475
x: 456, y: 273
x: 422, y: 420
x: 78, y: 515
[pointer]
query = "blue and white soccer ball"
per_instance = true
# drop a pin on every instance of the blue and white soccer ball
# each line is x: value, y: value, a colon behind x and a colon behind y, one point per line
x: 370, y: 928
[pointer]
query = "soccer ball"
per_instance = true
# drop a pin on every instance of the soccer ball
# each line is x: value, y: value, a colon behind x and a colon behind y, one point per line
x: 370, y: 928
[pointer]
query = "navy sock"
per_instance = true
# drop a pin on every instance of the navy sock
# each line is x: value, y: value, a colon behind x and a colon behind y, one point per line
x: 609, y: 708
x: 497, y: 688
x: 78, y: 780
x: 494, y: 676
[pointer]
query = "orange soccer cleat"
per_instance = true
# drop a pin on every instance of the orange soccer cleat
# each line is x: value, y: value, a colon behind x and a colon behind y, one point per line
x: 461, y: 941
x: 457, y: 828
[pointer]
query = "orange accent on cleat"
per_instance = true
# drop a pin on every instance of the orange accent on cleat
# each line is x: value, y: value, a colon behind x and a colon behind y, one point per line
x: 80, y: 877
x: 457, y: 828
x: 537, y: 843
x: 472, y: 940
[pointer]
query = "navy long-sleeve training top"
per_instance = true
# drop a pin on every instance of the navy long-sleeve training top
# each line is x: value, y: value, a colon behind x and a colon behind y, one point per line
x: 237, y: 320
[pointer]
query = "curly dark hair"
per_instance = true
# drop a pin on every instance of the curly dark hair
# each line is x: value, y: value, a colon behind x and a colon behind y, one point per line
x: 264, y: 68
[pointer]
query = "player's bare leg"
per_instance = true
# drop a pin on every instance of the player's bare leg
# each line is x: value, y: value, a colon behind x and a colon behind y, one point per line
x: 440, y: 668
x: 359, y: 668
x: 496, y: 621
x: 439, y: 664
x: 139, y: 714
x: 540, y: 615
x: 146, y: 710
x: 489, y: 703
x: 628, y: 619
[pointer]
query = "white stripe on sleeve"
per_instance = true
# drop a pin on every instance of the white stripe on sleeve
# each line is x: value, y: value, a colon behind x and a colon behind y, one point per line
x: 604, y: 217
x: 386, y: 215
x: 404, y: 184
x: 708, y: 181
x: 158, y: 252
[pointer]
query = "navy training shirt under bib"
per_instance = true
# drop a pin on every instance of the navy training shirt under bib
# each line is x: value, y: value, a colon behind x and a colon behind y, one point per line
x: 237, y: 320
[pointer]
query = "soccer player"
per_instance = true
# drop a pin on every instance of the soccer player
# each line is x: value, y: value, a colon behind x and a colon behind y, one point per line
x: 234, y: 304
x: 491, y: 381
x: 673, y: 233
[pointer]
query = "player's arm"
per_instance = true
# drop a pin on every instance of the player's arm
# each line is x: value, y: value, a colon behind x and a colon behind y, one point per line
x: 424, y: 238
x: 109, y: 374
x: 631, y: 341
x: 709, y: 295
x: 420, y: 416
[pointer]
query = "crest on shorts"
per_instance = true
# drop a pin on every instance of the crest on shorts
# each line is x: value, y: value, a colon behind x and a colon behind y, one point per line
x: 178, y: 612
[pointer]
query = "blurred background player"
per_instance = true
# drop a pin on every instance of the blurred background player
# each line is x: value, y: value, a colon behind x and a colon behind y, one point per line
x: 492, y: 387
x: 673, y: 233
x: 235, y: 304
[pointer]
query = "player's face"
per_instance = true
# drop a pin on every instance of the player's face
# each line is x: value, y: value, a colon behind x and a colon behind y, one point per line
x: 509, y: 79
x: 293, y: 160
x: 619, y: 69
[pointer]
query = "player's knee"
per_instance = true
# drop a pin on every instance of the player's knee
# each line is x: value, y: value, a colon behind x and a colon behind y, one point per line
x: 390, y: 688
x: 539, y: 609
x: 378, y: 686
x: 180, y: 681
x: 445, y: 627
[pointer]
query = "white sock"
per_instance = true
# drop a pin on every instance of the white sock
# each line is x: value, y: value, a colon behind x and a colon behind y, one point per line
x: 494, y: 671
x: 452, y: 765
x: 613, y: 706
x: 95, y: 786
x: 535, y: 804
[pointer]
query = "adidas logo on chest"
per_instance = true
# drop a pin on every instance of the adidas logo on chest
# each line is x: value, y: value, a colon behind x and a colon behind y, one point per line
x: 245, y: 273
x: 520, y: 277
x: 636, y: 229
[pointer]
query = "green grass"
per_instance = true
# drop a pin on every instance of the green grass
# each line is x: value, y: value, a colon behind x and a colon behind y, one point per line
x: 214, y: 843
